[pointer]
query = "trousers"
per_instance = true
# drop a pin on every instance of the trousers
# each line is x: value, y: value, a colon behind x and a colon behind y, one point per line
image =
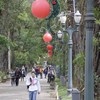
x: 32, y: 95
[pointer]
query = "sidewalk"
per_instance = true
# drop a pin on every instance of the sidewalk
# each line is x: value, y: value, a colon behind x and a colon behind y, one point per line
x: 8, y: 92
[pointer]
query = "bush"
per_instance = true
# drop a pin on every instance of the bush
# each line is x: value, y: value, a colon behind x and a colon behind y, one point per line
x: 3, y: 76
x: 62, y: 90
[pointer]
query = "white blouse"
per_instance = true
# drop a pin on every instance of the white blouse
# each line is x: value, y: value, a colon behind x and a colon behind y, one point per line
x: 34, y: 84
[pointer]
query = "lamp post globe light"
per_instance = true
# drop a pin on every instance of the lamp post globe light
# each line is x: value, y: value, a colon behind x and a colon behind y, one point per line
x: 59, y: 34
x: 63, y: 19
x: 77, y: 17
x: 70, y: 30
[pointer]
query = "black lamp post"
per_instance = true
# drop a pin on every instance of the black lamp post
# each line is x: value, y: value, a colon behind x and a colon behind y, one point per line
x: 89, y: 80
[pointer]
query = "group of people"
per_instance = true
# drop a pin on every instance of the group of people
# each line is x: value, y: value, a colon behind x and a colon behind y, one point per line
x: 48, y: 72
x: 18, y: 73
x: 33, y: 83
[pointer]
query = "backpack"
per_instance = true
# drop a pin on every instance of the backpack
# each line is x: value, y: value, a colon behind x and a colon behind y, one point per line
x: 30, y: 84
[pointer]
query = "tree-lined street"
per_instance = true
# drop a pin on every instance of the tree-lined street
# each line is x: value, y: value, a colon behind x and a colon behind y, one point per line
x: 38, y: 34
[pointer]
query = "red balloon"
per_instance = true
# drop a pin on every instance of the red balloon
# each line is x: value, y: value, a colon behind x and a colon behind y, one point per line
x: 47, y: 37
x: 40, y: 8
x: 49, y: 47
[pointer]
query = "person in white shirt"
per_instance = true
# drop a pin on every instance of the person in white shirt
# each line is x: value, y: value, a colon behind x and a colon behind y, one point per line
x: 33, y: 86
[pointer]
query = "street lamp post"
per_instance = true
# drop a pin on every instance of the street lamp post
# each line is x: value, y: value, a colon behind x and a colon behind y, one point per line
x: 60, y: 36
x: 70, y: 30
x: 89, y: 80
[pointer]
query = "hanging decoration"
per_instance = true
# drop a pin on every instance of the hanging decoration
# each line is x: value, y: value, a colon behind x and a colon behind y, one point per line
x: 40, y: 8
x: 55, y: 9
x: 49, y: 47
x: 54, y: 12
x: 50, y: 53
x: 54, y: 2
x: 47, y: 37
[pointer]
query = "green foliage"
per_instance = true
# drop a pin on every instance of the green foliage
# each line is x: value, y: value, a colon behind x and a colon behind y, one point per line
x: 98, y: 21
x: 21, y: 58
x: 1, y: 4
x: 95, y: 41
x: 4, y: 41
x: 62, y: 90
x: 96, y: 84
x: 79, y: 63
x: 97, y: 14
x: 79, y: 60
x: 3, y: 76
x: 96, y: 79
x: 23, y: 16
x: 24, y: 30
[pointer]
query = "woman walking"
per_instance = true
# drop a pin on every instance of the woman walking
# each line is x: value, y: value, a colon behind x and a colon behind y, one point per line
x: 33, y: 85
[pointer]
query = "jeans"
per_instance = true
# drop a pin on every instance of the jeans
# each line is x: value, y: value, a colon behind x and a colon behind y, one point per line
x: 32, y: 95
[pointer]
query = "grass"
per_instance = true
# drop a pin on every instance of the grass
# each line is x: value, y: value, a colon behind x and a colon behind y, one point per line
x: 62, y: 91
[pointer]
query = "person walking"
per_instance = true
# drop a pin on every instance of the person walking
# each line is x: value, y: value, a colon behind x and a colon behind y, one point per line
x: 12, y: 76
x: 17, y: 76
x: 33, y: 85
x: 45, y: 72
x: 37, y: 71
x: 22, y: 74
x: 41, y: 72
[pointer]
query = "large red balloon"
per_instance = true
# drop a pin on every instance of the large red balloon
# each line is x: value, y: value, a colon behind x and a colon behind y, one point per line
x: 47, y: 37
x: 40, y: 8
x: 49, y: 47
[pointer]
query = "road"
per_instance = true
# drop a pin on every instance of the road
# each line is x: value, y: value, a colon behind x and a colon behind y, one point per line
x: 8, y: 92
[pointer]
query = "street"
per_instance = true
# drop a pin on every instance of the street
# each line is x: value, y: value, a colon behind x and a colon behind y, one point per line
x: 8, y: 92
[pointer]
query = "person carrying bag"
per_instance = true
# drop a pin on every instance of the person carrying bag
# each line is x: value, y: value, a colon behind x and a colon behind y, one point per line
x: 33, y: 86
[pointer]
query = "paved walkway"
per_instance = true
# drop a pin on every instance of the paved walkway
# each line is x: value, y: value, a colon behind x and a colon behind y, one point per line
x: 8, y: 92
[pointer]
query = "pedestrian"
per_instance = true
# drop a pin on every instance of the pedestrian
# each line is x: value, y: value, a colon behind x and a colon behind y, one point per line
x: 12, y: 75
x: 22, y: 75
x: 33, y: 69
x: 26, y: 70
x: 23, y: 68
x: 45, y: 72
x: 41, y: 72
x: 51, y: 77
x: 17, y: 76
x: 37, y: 71
x: 33, y: 85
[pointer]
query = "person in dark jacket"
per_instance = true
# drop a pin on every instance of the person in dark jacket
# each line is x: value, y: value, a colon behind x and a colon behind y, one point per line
x: 17, y: 76
x: 45, y: 72
x: 51, y: 77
